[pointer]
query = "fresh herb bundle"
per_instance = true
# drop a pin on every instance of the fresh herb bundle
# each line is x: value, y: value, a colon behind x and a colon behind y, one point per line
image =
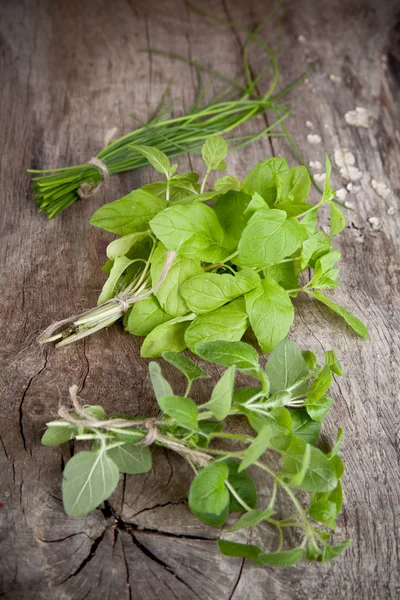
x: 285, y: 408
x: 185, y: 272
x: 56, y: 189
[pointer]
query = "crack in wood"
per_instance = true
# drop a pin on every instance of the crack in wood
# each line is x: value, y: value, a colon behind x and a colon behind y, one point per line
x: 21, y: 404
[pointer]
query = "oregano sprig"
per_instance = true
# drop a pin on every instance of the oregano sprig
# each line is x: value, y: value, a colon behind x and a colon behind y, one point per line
x: 285, y: 408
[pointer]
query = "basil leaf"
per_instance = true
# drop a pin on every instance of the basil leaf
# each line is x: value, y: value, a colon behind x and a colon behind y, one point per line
x: 169, y: 336
x: 213, y: 151
x: 227, y: 183
x: 338, y: 220
x: 262, y: 179
x: 58, y: 434
x: 324, y: 274
x: 268, y: 238
x: 145, y: 316
x: 169, y: 293
x: 354, y: 323
x: 285, y: 366
x: 226, y: 323
x: 243, y: 356
x: 332, y: 362
x: 192, y: 229
x: 131, y: 459
x: 286, y: 275
x: 270, y: 313
x: 130, y: 214
x: 240, y: 550
x: 221, y: 398
x: 111, y: 288
x: 316, y: 246
x: 324, y: 512
x: 156, y: 158
x: 331, y: 552
x: 230, y: 209
x: 255, y: 204
x: 160, y: 385
x: 208, y: 493
x: 317, y: 409
x: 286, y: 558
x: 89, y: 479
x: 208, y: 291
x: 328, y: 193
x: 124, y: 244
x: 293, y: 187
x: 180, y: 408
x: 188, y: 368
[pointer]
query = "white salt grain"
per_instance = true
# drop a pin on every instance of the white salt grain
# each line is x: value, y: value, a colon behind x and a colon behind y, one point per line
x: 391, y: 211
x: 358, y: 117
x: 375, y: 223
x: 341, y: 194
x: 315, y: 164
x: 353, y: 189
x: 352, y: 173
x: 380, y: 188
x: 343, y: 157
x: 309, y: 124
x: 319, y: 177
x: 314, y: 138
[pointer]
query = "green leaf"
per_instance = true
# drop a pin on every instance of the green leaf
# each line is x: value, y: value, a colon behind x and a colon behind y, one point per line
x: 208, y: 493
x: 328, y: 193
x: 230, y: 209
x: 89, y: 479
x: 268, y: 238
x: 293, y: 187
x: 169, y: 293
x: 255, y: 204
x: 310, y: 359
x: 242, y: 394
x: 317, y: 409
x: 338, y: 445
x: 304, y: 427
x: 169, y: 336
x: 324, y: 274
x: 251, y: 518
x: 161, y: 386
x: 226, y: 323
x: 270, y: 313
x: 110, y: 288
x: 182, y: 409
x: 338, y: 220
x: 309, y: 221
x: 354, y: 323
x: 130, y: 214
x: 221, y: 397
x: 213, y: 151
x: 319, y: 476
x: 285, y: 274
x: 320, y: 386
x: 285, y: 366
x: 188, y: 368
x: 130, y: 436
x: 145, y: 316
x: 227, y: 183
x: 58, y: 434
x: 243, y: 485
x: 316, y: 246
x: 96, y: 411
x: 331, y: 552
x: 131, y: 459
x: 208, y: 291
x: 124, y: 244
x: 192, y: 229
x: 324, y: 512
x: 240, y: 550
x: 332, y: 362
x: 243, y: 356
x: 286, y: 558
x: 156, y: 158
x: 263, y: 179
x: 256, y: 448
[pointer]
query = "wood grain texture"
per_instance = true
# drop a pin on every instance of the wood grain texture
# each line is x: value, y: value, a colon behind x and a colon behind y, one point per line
x: 70, y: 71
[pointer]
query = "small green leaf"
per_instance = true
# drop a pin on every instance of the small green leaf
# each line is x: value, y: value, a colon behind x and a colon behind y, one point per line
x: 169, y: 336
x: 145, y: 316
x: 251, y: 518
x: 320, y: 386
x: 188, y: 368
x: 89, y: 479
x: 328, y: 193
x: 256, y: 448
x: 124, y: 244
x: 243, y: 356
x: 331, y: 552
x: 161, y: 386
x: 293, y: 187
x: 213, y: 151
x: 208, y: 493
x: 270, y: 312
x: 263, y: 179
x: 285, y: 366
x: 304, y: 427
x: 241, y: 550
x: 320, y: 475
x: 243, y: 485
x: 180, y: 408
x: 317, y: 409
x: 310, y: 359
x: 221, y: 397
x: 333, y: 363
x: 156, y: 158
x: 58, y: 434
x: 255, y: 204
x: 354, y: 323
x: 324, y: 512
x: 131, y: 459
x: 231, y: 212
x: 338, y: 220
x: 227, y: 183
x: 286, y: 558
x: 316, y: 246
x: 111, y: 288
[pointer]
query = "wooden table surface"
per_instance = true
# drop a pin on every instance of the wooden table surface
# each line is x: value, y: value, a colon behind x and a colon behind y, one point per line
x: 70, y: 72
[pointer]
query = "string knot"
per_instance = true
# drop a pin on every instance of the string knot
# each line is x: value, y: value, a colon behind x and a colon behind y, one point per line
x: 86, y: 190
x: 152, y: 432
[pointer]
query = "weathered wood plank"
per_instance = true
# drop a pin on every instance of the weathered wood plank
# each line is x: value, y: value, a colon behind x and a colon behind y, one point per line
x: 69, y: 73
